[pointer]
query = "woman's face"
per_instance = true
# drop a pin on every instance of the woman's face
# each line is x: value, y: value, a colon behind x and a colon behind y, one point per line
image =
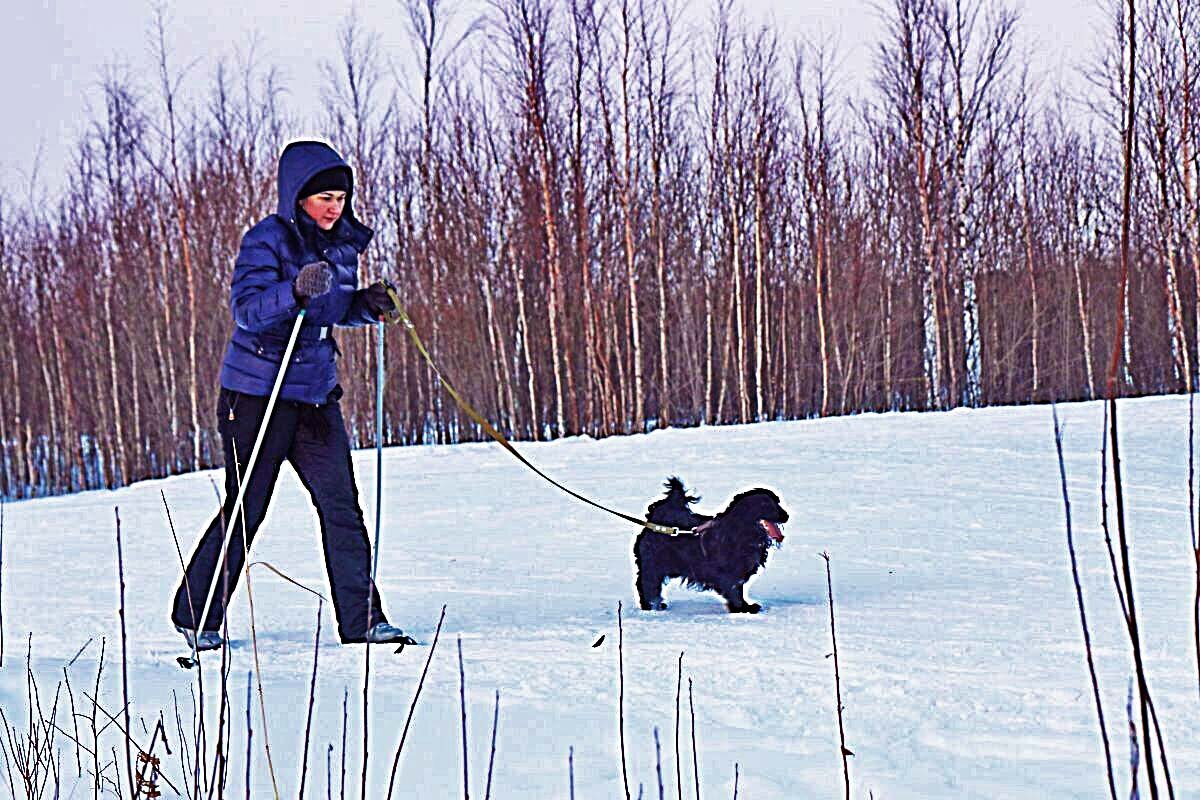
x: 324, y: 207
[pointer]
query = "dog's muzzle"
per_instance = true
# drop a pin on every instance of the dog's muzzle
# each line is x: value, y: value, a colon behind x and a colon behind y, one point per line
x: 773, y: 530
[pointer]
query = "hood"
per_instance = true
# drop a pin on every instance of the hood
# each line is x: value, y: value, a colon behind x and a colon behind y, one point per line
x: 299, y: 162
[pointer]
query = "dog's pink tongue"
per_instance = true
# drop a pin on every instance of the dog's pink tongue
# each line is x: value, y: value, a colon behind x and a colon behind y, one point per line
x: 772, y: 530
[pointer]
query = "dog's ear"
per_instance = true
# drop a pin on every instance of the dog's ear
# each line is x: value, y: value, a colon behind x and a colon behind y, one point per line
x: 758, y: 504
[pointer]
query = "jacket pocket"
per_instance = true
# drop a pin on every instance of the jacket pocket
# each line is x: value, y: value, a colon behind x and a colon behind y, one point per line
x: 272, y: 352
x: 267, y: 349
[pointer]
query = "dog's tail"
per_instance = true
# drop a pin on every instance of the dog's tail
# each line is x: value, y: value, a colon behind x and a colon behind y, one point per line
x: 674, y: 509
x: 677, y: 492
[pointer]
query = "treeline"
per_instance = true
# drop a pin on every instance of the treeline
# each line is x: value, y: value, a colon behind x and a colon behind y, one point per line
x: 608, y: 216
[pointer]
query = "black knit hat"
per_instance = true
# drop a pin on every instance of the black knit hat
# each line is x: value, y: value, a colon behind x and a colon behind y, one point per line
x: 334, y: 179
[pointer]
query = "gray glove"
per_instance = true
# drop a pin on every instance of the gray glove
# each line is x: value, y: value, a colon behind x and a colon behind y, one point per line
x: 313, y: 280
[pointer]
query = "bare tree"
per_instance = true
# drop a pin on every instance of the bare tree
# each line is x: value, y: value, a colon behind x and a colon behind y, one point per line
x: 602, y: 223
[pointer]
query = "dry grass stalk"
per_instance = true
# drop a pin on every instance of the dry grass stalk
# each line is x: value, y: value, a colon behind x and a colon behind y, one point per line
x: 262, y: 700
x: 678, y: 760
x: 312, y: 696
x: 462, y: 699
x: 621, y: 699
x: 695, y: 754
x: 413, y: 707
x: 837, y: 679
x: 487, y: 794
x: 1087, y: 636
x: 124, y: 653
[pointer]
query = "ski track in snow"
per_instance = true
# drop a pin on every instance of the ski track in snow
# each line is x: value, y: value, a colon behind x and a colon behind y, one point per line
x: 962, y: 661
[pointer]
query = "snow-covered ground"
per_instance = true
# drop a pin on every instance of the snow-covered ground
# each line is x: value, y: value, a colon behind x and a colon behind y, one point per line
x: 962, y: 663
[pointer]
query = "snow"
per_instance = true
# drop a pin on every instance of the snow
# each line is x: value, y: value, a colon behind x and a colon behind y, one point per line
x: 961, y: 655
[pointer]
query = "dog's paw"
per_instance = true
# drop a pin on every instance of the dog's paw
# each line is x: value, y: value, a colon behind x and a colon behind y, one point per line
x: 749, y: 608
x: 654, y: 605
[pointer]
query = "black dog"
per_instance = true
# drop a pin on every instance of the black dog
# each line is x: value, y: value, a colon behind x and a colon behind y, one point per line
x: 721, y: 554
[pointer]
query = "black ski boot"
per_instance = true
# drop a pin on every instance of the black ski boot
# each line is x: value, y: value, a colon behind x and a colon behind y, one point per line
x: 387, y: 633
x: 208, y: 640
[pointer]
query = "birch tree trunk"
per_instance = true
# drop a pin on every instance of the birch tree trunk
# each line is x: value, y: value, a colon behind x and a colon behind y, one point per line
x: 135, y: 378
x: 1187, y: 144
x: 181, y: 220
x: 554, y: 268
x: 534, y: 416
x: 582, y: 224
x: 760, y: 297
x: 738, y: 333
x: 22, y: 479
x: 76, y: 478
x: 929, y: 284
x: 7, y: 457
x: 117, y: 449
x: 631, y: 284
x: 786, y: 390
x: 1027, y: 229
x: 889, y: 391
x: 709, y: 416
x: 498, y: 354
x: 822, y: 325
x: 54, y: 445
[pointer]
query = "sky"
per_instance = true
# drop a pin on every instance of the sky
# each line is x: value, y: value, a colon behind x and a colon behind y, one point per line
x: 58, y: 51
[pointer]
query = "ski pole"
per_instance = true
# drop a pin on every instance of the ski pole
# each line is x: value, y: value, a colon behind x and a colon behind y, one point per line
x: 231, y: 521
x: 379, y: 375
x: 388, y: 318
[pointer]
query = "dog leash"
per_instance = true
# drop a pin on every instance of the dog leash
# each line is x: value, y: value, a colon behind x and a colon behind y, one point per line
x: 401, y: 316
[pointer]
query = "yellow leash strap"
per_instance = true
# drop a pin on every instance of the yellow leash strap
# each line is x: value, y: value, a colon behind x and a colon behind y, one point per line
x: 400, y: 315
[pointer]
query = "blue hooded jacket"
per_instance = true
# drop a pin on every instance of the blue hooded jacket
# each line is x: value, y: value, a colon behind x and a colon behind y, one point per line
x: 264, y: 307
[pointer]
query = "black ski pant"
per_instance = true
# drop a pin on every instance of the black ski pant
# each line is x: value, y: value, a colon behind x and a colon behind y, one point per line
x: 313, y: 440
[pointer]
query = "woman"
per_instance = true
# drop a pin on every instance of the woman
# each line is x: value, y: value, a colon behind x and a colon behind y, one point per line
x: 303, y: 256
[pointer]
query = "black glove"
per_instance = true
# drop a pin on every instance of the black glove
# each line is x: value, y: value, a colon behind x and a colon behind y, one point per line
x: 314, y: 280
x: 377, y: 300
